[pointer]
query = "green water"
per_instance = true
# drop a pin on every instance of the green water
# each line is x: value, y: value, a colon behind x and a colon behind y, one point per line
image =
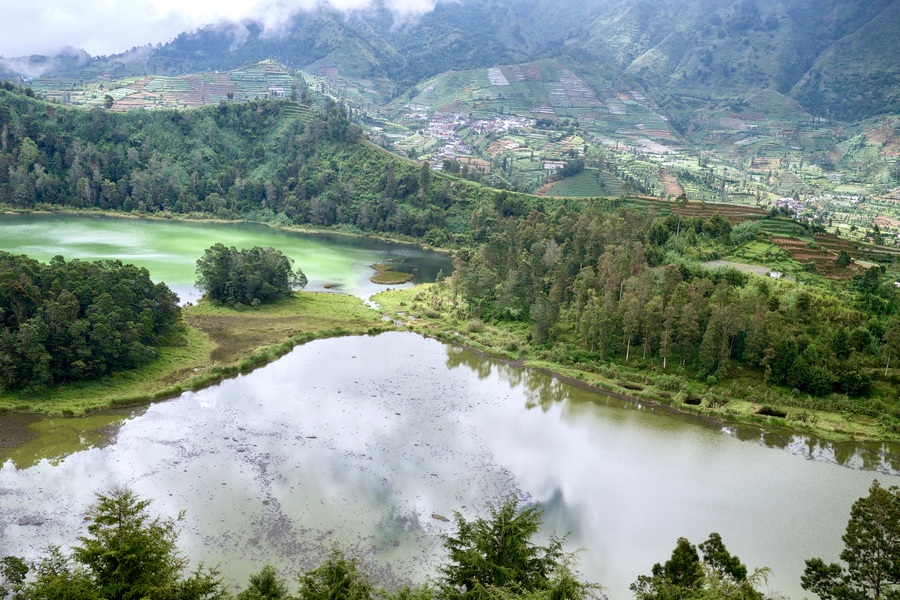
x: 170, y: 249
x: 27, y: 439
x: 359, y: 441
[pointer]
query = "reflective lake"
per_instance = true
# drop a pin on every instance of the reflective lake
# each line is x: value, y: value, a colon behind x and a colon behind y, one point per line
x: 170, y: 249
x: 364, y: 441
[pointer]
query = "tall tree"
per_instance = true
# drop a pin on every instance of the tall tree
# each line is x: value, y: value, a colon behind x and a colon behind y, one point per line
x: 265, y: 585
x: 338, y: 578
x: 129, y: 555
x: 496, y: 557
x: 871, y: 551
x: 685, y: 576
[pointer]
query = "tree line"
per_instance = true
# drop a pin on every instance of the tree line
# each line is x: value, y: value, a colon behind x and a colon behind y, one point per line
x: 610, y: 286
x: 129, y: 555
x: 265, y: 160
x: 70, y: 321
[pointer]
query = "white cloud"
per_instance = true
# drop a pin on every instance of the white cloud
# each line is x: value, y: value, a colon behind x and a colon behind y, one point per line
x: 113, y: 26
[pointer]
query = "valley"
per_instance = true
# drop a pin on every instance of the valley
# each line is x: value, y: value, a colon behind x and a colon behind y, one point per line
x: 647, y: 279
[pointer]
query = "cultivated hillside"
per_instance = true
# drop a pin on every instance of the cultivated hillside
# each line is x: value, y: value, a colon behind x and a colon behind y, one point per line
x: 837, y: 58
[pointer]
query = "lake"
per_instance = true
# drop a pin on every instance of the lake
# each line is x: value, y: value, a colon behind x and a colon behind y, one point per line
x: 359, y: 441
x: 169, y: 249
x: 368, y: 442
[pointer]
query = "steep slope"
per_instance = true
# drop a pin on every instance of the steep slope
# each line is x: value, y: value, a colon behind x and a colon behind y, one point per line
x: 860, y: 75
x: 706, y: 49
x: 836, y: 57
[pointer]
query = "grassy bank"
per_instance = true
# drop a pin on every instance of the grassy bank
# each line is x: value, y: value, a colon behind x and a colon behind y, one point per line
x: 431, y: 310
x: 218, y: 343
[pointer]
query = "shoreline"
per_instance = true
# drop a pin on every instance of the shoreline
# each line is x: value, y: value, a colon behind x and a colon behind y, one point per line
x: 710, y: 405
x: 218, y: 343
x: 215, y: 372
x: 629, y: 385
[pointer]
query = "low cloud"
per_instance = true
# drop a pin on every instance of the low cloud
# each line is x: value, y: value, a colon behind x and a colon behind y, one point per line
x: 103, y: 27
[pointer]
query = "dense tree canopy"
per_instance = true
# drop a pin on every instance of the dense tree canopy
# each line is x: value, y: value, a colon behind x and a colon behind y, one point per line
x: 491, y: 557
x: 719, y: 574
x: 267, y: 160
x: 248, y: 276
x: 604, y: 285
x: 871, y: 552
x: 66, y: 321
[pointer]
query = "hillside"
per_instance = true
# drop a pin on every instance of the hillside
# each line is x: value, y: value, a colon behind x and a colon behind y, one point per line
x: 688, y: 53
x: 266, y: 160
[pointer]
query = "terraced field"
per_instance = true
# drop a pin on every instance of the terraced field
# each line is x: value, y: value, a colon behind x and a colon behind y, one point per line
x: 583, y: 185
x: 260, y: 80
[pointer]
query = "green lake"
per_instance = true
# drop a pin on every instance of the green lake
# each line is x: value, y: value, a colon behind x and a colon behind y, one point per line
x: 169, y: 249
x: 369, y: 442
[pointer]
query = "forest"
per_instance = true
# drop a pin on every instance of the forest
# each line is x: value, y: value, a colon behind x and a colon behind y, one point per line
x: 271, y: 160
x: 77, y: 320
x: 590, y: 283
x: 600, y: 287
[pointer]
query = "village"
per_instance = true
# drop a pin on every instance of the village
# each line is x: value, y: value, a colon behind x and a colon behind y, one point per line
x: 446, y: 128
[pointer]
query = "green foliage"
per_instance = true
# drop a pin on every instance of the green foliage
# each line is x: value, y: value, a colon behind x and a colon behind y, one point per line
x: 871, y: 552
x: 620, y: 286
x: 496, y: 558
x: 338, y: 578
x: 58, y: 578
x: 13, y: 571
x: 125, y: 555
x: 68, y: 321
x: 248, y: 277
x: 843, y: 259
x: 265, y: 585
x: 256, y: 160
x: 685, y: 576
x: 744, y: 232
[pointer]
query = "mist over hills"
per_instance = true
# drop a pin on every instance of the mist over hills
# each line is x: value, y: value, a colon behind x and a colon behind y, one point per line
x: 839, y: 59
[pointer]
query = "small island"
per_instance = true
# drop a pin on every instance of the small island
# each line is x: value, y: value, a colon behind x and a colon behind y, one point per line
x: 386, y: 275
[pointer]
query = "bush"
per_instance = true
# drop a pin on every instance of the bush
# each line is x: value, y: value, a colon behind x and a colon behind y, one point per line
x: 247, y: 277
x: 475, y: 326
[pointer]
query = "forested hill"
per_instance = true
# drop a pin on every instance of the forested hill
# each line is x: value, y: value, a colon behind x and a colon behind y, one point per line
x: 837, y: 58
x: 270, y: 160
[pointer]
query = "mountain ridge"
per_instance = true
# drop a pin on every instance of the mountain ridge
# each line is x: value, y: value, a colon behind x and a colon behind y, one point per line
x: 695, y: 50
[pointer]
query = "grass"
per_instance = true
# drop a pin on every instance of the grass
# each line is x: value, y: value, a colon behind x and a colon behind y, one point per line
x: 219, y: 342
x: 583, y: 185
x: 431, y: 310
x: 386, y: 275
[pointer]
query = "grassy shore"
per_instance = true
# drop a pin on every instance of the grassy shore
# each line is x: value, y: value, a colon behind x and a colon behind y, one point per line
x: 218, y: 343
x: 431, y: 310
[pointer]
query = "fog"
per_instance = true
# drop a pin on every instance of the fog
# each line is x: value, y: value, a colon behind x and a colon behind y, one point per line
x: 102, y: 27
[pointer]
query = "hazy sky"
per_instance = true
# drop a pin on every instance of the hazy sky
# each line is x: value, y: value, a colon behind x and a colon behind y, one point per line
x: 113, y: 26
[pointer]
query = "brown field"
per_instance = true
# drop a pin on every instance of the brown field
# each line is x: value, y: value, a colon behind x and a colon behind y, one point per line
x: 762, y: 163
x: 823, y: 255
x: 671, y: 184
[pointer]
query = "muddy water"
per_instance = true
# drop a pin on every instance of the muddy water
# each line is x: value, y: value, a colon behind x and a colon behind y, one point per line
x: 366, y: 441
x: 170, y: 249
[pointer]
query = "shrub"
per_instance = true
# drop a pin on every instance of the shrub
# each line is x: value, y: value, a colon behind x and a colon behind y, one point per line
x: 475, y: 326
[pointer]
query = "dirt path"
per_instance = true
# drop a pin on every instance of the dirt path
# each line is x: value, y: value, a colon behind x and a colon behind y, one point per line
x: 670, y: 183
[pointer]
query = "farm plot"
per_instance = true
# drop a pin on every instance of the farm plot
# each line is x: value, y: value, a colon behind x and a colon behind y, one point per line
x: 583, y: 185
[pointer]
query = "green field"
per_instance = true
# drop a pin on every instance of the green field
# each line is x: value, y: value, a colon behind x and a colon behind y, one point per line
x: 583, y: 185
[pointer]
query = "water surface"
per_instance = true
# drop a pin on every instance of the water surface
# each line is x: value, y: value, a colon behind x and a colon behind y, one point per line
x: 362, y: 441
x: 170, y: 249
